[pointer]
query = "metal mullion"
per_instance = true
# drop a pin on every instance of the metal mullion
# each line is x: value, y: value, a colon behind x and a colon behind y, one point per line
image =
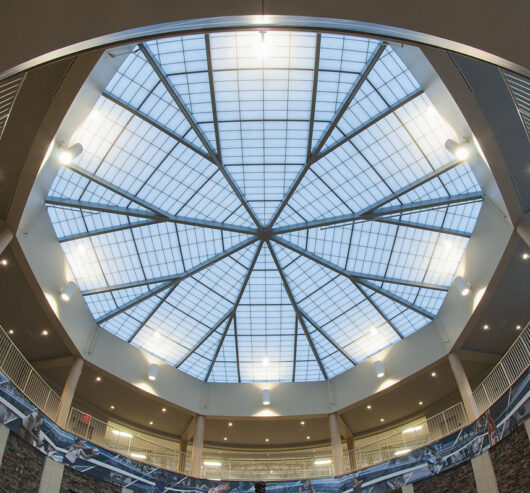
x: 110, y: 229
x: 234, y: 308
x: 152, y: 312
x: 212, y: 94
x: 349, y: 246
x: 353, y: 275
x: 146, y: 118
x: 296, y: 310
x: 314, y: 95
x: 314, y: 155
x: 378, y: 309
x: 319, y: 288
x: 327, y: 337
x: 237, y: 349
x: 371, y: 212
x: 331, y: 190
x: 372, y: 121
x: 182, y: 107
x: 203, y: 339
x: 180, y: 277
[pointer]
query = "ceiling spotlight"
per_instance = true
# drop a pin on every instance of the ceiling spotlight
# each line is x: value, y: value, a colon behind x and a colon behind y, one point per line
x: 433, y: 374
x: 486, y: 327
x: 112, y: 407
x: 463, y: 287
x: 67, y: 291
x: 153, y: 372
x: 460, y: 151
x: 526, y: 256
x: 225, y: 438
x: 150, y: 422
x: 11, y: 332
x: 369, y: 406
x: 3, y: 262
x: 98, y: 379
x: 266, y: 397
x: 266, y: 439
x: 44, y: 332
x: 420, y: 403
x: 307, y: 437
x: 230, y: 423
x: 302, y: 423
x: 67, y: 155
x: 379, y: 369
x: 517, y: 327
x: 382, y: 420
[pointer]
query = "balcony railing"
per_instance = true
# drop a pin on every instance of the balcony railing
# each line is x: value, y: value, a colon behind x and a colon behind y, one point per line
x: 9, y: 89
x: 283, y: 465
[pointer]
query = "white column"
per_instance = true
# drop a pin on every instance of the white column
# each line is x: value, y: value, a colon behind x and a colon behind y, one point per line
x: 523, y: 229
x: 4, y: 434
x: 69, y: 391
x: 408, y: 488
x: 336, y: 446
x: 196, y: 452
x: 527, y: 426
x: 51, y: 477
x: 484, y: 474
x: 126, y: 490
x: 463, y: 385
x: 6, y: 235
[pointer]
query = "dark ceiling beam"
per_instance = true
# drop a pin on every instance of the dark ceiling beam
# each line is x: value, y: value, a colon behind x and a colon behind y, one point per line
x: 53, y: 363
x: 110, y: 229
x: 425, y: 227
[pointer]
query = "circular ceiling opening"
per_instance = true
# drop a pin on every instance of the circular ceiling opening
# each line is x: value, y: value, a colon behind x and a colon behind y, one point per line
x: 264, y: 206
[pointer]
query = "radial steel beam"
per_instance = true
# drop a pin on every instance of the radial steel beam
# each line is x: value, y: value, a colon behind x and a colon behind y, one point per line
x: 176, y: 277
x: 110, y: 229
x: 153, y: 311
x: 371, y: 214
x: 201, y: 341
x: 326, y: 336
x: 383, y: 114
x: 358, y: 276
x: 130, y: 304
x: 314, y: 95
x: 234, y: 309
x: 189, y: 117
x: 297, y: 310
x: 236, y: 343
x: 314, y: 155
x: 212, y: 96
x: 146, y: 118
x: 147, y: 214
x: 425, y: 227
x: 295, y: 347
x: 377, y: 308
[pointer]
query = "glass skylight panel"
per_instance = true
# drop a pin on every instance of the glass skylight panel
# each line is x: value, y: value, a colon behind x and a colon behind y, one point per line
x: 156, y: 149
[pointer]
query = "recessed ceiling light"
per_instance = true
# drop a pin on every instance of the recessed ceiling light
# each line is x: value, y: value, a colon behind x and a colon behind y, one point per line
x: 486, y: 327
x: 526, y: 256
x: 433, y: 374
x: 150, y: 422
x: 164, y: 409
x: 225, y: 438
x: 44, y: 332
x: 420, y: 403
x: 230, y: 423
x: 112, y: 407
x: 11, y: 331
x: 382, y: 420
x: 517, y: 327
x: 3, y: 262
x: 98, y: 379
x: 266, y: 439
x: 302, y: 423
x: 369, y: 406
x: 307, y: 437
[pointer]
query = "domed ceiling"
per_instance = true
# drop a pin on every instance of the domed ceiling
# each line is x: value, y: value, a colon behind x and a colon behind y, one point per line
x: 264, y: 206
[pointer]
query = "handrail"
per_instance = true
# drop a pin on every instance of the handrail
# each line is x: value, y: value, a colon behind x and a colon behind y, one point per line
x: 125, y: 442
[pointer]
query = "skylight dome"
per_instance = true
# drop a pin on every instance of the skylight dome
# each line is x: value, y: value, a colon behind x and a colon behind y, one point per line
x: 298, y: 207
